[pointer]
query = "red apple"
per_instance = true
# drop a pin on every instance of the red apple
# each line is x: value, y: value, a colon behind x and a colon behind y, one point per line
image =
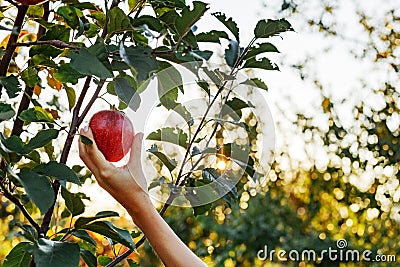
x: 113, y: 133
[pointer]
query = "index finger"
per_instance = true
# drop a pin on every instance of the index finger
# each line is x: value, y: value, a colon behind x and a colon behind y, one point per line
x: 92, y: 156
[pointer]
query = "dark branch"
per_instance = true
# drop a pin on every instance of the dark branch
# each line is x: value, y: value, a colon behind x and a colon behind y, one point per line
x: 10, y: 48
x: 91, y: 101
x: 56, y: 43
x: 28, y: 92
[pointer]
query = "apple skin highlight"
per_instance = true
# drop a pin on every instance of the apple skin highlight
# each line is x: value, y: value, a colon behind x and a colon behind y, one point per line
x: 113, y: 133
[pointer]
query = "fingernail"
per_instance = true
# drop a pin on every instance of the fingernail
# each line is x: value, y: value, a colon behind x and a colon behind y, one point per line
x: 86, y: 129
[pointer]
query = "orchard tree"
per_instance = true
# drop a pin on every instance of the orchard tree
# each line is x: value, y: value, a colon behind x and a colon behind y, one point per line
x: 85, y: 52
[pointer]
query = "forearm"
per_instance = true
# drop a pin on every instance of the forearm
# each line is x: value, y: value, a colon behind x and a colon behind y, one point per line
x: 171, y: 250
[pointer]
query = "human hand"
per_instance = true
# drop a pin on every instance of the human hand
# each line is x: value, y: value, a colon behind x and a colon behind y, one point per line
x: 127, y: 184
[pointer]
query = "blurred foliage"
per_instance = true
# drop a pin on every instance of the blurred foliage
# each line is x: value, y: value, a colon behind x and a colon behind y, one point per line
x: 57, y: 59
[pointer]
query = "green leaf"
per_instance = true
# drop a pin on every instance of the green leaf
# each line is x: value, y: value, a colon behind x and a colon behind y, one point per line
x: 184, y: 113
x: 13, y: 144
x: 211, y: 36
x: 11, y: 85
x: 35, y: 11
x: 200, y: 195
x: 200, y: 210
x: 127, y: 93
x: 82, y: 221
x: 111, y: 231
x: 224, y: 184
x: 255, y: 82
x: 73, y: 202
x: 118, y: 21
x: 103, y: 260
x: 67, y: 74
x: 71, y: 96
x: 99, y: 16
x: 38, y: 188
x: 99, y: 49
x: 42, y: 138
x: 85, y: 5
x: 263, y: 63
x: 36, y: 114
x: 259, y: 49
x: 58, y: 170
x: 29, y: 232
x: 6, y: 112
x: 70, y: 15
x: 269, y: 28
x: 189, y: 17
x: 18, y: 256
x: 88, y: 63
x: 151, y: 22
x: 241, y: 156
x: 85, y: 140
x: 169, y: 81
x: 234, y: 108
x: 132, y: 4
x: 132, y: 263
x: 54, y: 32
x: 82, y: 234
x: 169, y: 163
x: 172, y: 135
x: 141, y: 59
x: 229, y: 23
x: 30, y: 76
x: 88, y: 257
x: 232, y: 53
x: 49, y: 253
x: 58, y: 32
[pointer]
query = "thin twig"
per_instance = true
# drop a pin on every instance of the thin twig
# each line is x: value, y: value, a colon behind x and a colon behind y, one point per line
x: 91, y: 101
x: 56, y: 43
x: 13, y: 3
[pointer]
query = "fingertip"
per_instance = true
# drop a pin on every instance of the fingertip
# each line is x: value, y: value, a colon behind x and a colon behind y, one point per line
x: 139, y: 136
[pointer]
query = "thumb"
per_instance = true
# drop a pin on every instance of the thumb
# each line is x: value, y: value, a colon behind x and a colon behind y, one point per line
x: 134, y: 163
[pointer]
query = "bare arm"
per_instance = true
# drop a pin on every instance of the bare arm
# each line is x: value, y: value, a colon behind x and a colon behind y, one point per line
x: 127, y: 185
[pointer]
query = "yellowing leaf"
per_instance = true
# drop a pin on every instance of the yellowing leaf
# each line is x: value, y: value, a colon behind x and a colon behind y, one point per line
x: 37, y: 90
x: 52, y: 82
x: 5, y: 41
x: 53, y: 112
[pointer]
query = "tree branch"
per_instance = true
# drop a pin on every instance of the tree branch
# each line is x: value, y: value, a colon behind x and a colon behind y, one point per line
x: 17, y: 203
x: 91, y: 101
x: 64, y: 154
x: 28, y: 92
x: 56, y: 43
x: 10, y: 48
